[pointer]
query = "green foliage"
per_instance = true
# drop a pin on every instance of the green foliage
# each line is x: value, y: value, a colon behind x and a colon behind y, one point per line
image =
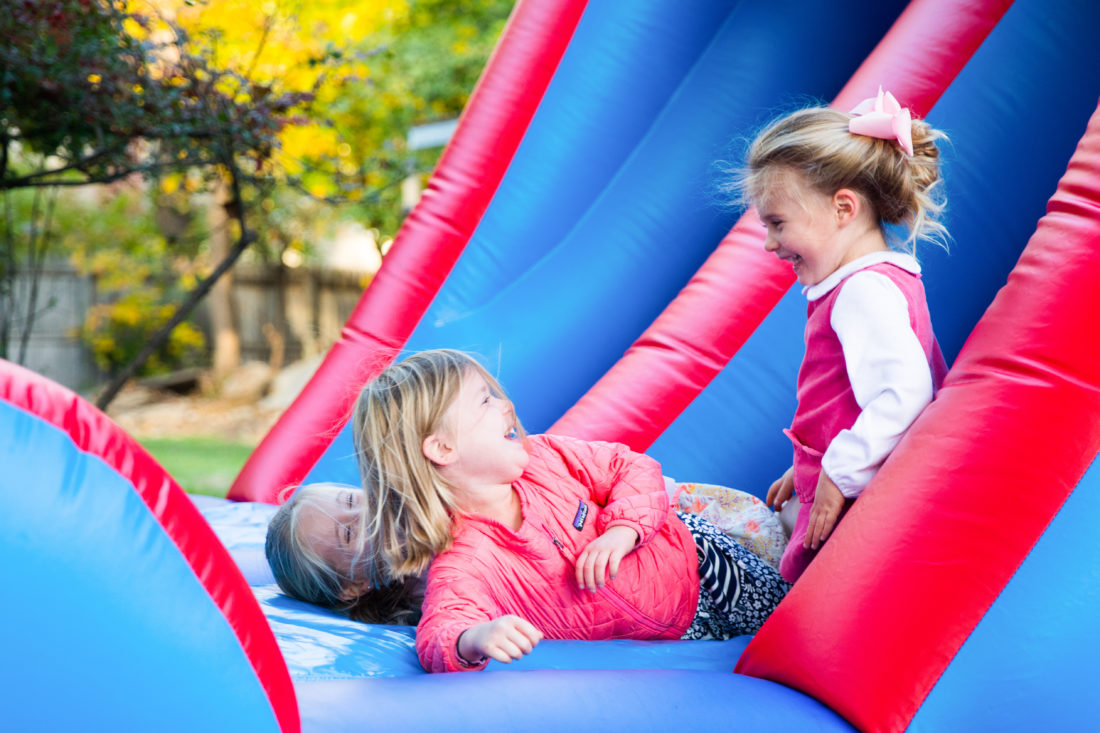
x: 86, y: 88
x: 112, y: 234
x: 117, y: 331
x: 401, y: 63
x: 93, y: 92
x: 299, y: 96
x: 424, y: 66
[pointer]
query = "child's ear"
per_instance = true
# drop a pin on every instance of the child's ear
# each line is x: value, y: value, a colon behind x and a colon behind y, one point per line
x: 354, y: 589
x: 847, y: 205
x: 438, y: 451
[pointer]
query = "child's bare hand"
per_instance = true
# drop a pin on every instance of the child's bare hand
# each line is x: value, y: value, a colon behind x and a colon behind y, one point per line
x: 601, y: 558
x: 828, y: 501
x: 503, y: 639
x: 781, y: 490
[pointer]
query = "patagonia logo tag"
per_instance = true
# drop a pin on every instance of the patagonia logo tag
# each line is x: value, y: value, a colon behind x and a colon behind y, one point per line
x: 582, y: 514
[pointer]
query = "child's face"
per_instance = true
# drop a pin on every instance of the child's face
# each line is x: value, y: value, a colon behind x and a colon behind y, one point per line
x: 802, y: 228
x: 481, y: 428
x: 328, y: 522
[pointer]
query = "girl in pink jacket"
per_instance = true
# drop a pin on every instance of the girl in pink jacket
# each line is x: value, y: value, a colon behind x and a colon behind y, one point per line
x: 527, y: 537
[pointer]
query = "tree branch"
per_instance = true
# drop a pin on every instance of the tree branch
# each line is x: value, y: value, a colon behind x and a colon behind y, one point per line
x: 32, y: 179
x: 39, y: 247
x: 244, y: 239
x: 44, y: 178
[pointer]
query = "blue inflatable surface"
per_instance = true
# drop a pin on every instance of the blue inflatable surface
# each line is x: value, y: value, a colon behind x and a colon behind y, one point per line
x: 104, y: 623
x: 612, y: 201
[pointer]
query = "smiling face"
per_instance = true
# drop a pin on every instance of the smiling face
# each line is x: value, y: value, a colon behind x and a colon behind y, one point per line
x: 328, y: 523
x: 481, y: 435
x: 804, y: 228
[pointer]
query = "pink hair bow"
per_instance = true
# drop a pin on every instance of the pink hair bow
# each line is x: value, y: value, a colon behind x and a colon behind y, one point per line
x: 884, y: 118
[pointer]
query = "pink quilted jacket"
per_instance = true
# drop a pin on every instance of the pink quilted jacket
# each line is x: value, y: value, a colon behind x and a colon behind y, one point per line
x: 571, y: 492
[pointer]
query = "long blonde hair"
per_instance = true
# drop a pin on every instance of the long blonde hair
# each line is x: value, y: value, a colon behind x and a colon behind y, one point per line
x: 408, y: 508
x: 815, y: 143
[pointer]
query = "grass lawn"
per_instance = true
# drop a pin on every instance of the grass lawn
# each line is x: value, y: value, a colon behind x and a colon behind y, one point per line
x: 200, y: 465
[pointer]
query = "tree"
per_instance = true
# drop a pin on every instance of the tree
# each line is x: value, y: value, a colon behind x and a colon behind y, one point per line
x: 92, y: 92
x: 280, y: 43
x: 418, y: 67
x: 375, y: 67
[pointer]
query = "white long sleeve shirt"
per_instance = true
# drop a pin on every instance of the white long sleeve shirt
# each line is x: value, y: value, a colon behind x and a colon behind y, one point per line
x: 887, y: 367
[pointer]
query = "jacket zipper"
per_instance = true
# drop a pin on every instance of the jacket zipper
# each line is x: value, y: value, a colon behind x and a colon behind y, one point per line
x: 616, y: 600
x: 637, y: 615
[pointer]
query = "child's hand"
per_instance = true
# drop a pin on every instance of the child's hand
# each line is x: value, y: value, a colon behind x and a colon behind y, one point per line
x: 602, y: 556
x: 828, y: 501
x: 503, y: 639
x: 781, y: 490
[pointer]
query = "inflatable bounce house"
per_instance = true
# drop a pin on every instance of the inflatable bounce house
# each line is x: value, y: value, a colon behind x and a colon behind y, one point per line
x: 574, y: 236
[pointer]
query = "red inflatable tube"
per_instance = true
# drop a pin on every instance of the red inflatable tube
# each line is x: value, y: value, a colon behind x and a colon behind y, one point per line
x: 736, y: 288
x: 426, y: 248
x: 1026, y: 384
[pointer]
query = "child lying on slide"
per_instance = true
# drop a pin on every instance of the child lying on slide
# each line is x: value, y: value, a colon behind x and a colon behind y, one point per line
x: 526, y: 536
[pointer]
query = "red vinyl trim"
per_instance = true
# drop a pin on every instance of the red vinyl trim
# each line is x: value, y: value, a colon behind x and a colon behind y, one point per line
x: 736, y: 288
x: 429, y: 243
x: 96, y: 434
x: 971, y: 488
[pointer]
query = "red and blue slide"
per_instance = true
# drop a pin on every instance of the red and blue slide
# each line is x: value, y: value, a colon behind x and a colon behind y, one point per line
x: 575, y: 236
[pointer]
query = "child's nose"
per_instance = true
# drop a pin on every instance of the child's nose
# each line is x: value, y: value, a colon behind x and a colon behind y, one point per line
x: 770, y: 243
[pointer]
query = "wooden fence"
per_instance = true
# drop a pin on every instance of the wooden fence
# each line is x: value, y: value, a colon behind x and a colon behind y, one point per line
x: 295, y: 312
x: 51, y: 347
x: 300, y: 310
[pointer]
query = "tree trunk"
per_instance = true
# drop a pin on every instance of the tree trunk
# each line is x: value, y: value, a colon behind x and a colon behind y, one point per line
x: 223, y: 321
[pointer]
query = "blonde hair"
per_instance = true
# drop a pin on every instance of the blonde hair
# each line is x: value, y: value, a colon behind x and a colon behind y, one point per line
x: 409, y: 508
x: 816, y: 144
x: 304, y: 575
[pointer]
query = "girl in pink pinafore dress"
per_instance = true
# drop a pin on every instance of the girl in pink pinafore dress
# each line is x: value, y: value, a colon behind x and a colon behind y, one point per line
x: 826, y: 185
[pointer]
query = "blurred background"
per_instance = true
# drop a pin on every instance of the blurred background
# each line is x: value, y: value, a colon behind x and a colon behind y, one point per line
x: 196, y: 192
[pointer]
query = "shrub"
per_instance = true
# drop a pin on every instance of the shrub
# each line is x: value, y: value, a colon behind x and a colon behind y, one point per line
x: 117, y: 331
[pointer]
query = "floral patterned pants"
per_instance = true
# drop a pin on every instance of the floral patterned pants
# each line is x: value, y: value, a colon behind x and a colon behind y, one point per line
x: 737, y: 590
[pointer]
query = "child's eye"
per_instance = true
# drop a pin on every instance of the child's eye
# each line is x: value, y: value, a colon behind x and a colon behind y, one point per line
x: 347, y: 534
x: 351, y: 502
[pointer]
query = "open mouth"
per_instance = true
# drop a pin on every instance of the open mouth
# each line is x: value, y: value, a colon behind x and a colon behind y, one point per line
x: 795, y: 261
